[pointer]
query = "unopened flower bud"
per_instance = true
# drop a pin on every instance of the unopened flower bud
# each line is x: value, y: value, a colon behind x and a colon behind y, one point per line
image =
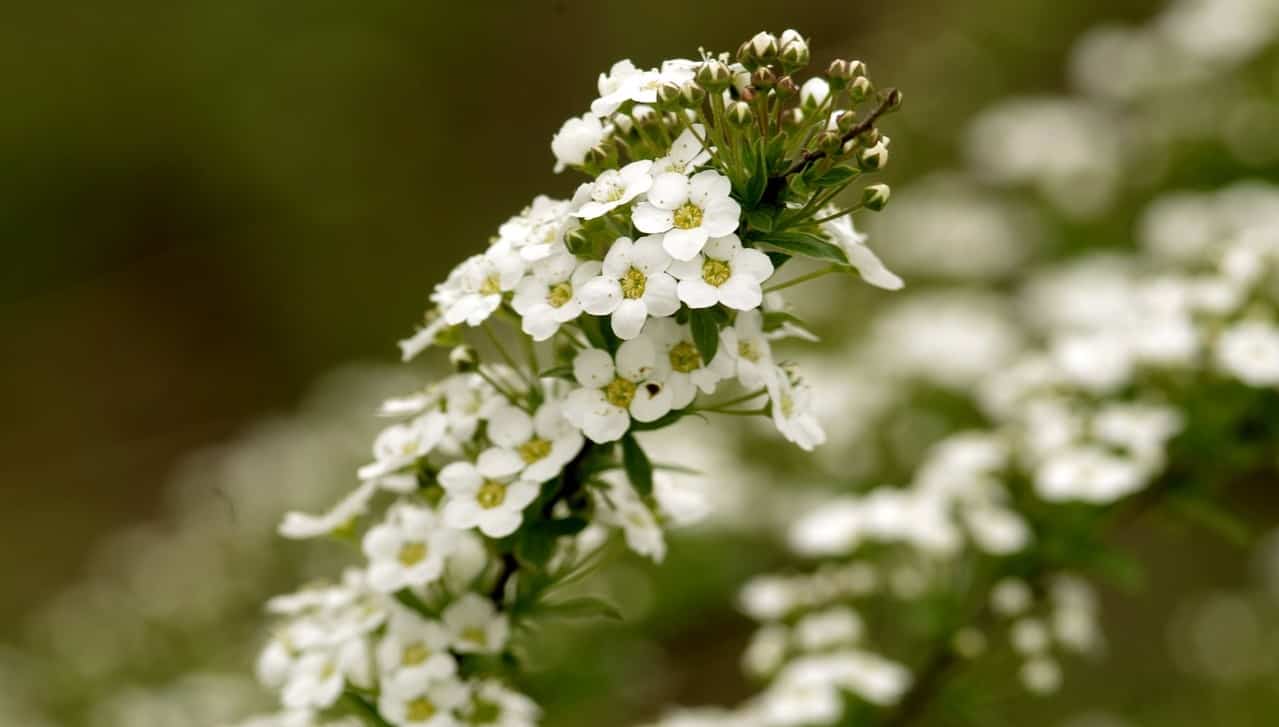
x: 740, y: 115
x: 786, y: 88
x: 578, y: 242
x: 464, y: 359
x: 894, y: 100
x: 876, y: 196
x: 622, y: 123
x: 793, y: 51
x: 714, y: 76
x: 668, y: 96
x: 869, y: 137
x: 814, y: 94
x: 764, y: 47
x: 846, y: 121
x: 792, y: 119
x: 602, y: 156
x: 860, y: 88
x: 838, y: 74
x: 875, y: 157
x: 692, y: 94
x: 645, y: 115
x: 764, y: 79
x: 829, y: 142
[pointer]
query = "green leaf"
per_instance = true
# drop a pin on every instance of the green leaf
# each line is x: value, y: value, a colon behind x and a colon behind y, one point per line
x: 638, y: 467
x: 581, y: 607
x: 837, y: 176
x: 566, y: 526
x: 758, y: 179
x: 535, y: 546
x: 774, y: 155
x: 662, y: 423
x: 778, y: 259
x: 599, y: 332
x: 805, y: 244
x: 705, y: 333
x: 776, y: 319
x: 761, y: 218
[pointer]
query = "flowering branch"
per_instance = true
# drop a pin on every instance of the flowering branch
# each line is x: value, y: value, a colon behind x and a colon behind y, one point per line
x: 500, y: 484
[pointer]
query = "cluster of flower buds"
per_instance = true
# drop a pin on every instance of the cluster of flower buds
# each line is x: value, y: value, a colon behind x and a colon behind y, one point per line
x: 650, y: 292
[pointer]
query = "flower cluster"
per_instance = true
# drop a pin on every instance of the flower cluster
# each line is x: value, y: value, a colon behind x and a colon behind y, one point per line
x: 650, y: 292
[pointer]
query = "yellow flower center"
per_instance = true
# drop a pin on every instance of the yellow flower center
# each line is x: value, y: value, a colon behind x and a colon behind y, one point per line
x: 685, y: 358
x: 419, y: 710
x: 534, y: 450
x: 559, y: 295
x: 412, y: 553
x: 620, y: 393
x: 746, y: 349
x: 634, y: 282
x: 492, y: 286
x: 716, y: 272
x: 415, y: 654
x: 688, y: 216
x: 491, y: 494
x: 476, y: 635
x: 788, y: 406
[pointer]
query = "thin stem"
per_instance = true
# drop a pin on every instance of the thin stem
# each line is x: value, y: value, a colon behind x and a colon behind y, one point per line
x: 501, y: 350
x: 492, y: 381
x: 738, y: 400
x: 804, y: 278
x: 889, y: 100
x: 762, y: 411
x: 839, y: 214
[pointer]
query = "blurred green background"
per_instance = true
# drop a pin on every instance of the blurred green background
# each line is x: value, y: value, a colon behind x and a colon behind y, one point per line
x: 207, y: 205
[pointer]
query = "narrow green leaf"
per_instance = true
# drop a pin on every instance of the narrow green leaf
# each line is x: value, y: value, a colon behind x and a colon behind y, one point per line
x: 837, y: 176
x: 761, y: 218
x: 558, y: 372
x: 638, y: 467
x: 805, y: 244
x: 705, y: 333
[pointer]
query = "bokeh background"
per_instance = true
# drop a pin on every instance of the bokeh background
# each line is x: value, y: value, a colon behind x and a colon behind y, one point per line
x: 207, y: 206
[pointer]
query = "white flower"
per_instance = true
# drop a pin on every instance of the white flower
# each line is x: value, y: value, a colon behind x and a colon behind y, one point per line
x: 633, y: 285
x: 793, y: 411
x: 413, y: 699
x: 1041, y: 675
x: 853, y: 243
x: 574, y: 139
x: 725, y: 272
x: 814, y: 93
x: 687, y: 153
x: 468, y: 400
x: 549, y: 297
x: 422, y: 339
x: 1011, y: 597
x: 413, y: 644
x: 687, y: 211
x: 301, y: 526
x: 319, y: 676
x: 400, y: 445
x: 1090, y: 474
x: 746, y: 341
x: 495, y: 705
x: 837, y: 626
x: 476, y: 625
x: 614, y: 391
x: 544, y: 442
x: 407, y: 550
x: 688, y: 372
x: 612, y: 189
x: 624, y: 82
x: 539, y: 228
x: 488, y: 494
x: 474, y: 289
x: 1249, y: 350
x: 622, y: 508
